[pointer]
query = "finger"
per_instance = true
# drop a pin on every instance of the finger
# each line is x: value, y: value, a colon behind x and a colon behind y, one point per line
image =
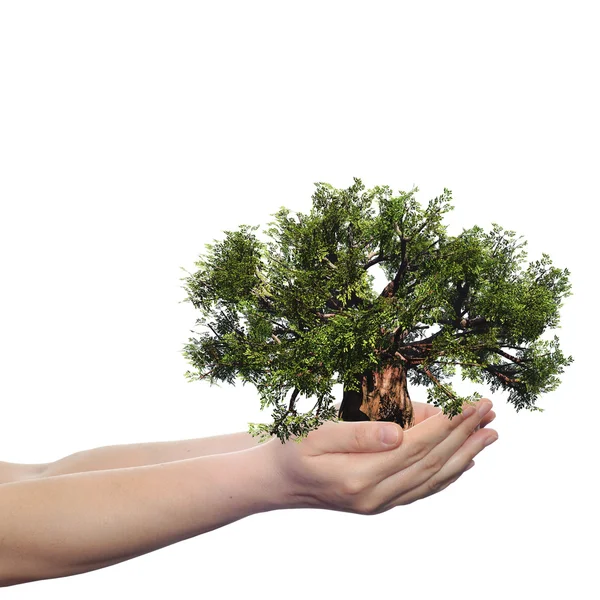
x: 487, y: 419
x: 422, y: 492
x: 450, y: 472
x: 442, y: 434
x: 354, y: 436
x: 464, y: 456
x: 422, y: 411
x: 439, y: 455
x: 436, y: 489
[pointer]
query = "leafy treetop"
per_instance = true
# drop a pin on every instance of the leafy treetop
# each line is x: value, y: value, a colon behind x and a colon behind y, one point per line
x: 296, y: 312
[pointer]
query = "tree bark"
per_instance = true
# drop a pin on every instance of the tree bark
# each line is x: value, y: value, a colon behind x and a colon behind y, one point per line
x: 383, y: 396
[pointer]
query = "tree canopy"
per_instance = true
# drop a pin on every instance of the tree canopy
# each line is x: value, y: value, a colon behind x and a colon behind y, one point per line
x: 293, y: 309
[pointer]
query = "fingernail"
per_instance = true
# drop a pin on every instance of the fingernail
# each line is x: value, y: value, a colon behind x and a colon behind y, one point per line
x: 490, y: 440
x: 389, y: 435
x: 485, y: 408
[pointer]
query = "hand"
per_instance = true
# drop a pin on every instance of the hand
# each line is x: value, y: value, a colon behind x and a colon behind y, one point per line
x: 345, y: 466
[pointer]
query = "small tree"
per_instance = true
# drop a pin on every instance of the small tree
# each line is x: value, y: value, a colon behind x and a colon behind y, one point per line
x: 296, y: 312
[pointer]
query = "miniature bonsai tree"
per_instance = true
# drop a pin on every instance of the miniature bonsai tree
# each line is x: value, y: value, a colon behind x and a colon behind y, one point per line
x: 294, y: 312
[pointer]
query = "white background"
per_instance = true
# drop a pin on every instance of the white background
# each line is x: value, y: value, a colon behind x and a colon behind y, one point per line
x: 133, y: 133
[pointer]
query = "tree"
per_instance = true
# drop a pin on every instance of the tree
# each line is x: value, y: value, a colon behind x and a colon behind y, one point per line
x: 295, y: 313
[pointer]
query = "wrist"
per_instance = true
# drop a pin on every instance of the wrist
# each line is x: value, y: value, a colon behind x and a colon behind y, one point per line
x: 232, y: 486
x: 264, y: 485
x: 284, y: 492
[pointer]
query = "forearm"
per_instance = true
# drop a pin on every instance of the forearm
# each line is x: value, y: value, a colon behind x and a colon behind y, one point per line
x: 151, y: 453
x: 69, y: 524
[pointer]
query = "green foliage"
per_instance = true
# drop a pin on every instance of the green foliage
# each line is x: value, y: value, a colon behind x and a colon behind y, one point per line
x: 297, y: 313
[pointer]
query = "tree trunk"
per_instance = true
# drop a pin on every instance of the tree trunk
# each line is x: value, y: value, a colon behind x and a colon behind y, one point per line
x: 383, y: 396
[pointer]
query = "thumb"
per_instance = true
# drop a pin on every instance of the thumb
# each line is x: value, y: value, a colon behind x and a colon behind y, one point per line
x: 360, y: 436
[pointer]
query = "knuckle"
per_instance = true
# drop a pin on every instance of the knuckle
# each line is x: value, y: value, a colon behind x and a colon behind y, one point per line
x: 367, y: 507
x: 431, y: 462
x: 353, y: 486
x: 438, y: 486
x: 362, y: 437
x: 416, y: 450
x: 434, y: 486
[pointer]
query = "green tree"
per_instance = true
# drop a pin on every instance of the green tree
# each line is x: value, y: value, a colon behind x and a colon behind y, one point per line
x: 295, y: 313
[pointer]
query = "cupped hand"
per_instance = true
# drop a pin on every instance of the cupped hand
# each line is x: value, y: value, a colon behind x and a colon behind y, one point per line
x: 346, y: 466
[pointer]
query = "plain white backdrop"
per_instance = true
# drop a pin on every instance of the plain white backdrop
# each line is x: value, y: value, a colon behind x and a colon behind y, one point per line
x: 133, y: 133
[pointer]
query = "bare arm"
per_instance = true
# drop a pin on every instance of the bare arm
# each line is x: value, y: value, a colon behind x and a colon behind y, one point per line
x: 10, y: 472
x: 68, y: 524
x: 151, y: 453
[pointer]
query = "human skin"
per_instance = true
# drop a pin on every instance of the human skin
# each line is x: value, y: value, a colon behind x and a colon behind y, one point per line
x: 150, y: 453
x: 56, y: 524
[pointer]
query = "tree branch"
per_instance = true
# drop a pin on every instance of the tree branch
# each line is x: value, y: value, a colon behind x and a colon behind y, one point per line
x: 218, y: 335
x: 462, y: 290
x: 392, y: 287
x: 418, y: 346
x: 438, y: 383
x: 505, y: 378
x: 398, y: 336
x: 333, y: 303
x: 460, y: 364
x: 330, y: 263
x: 265, y: 304
x: 429, y: 340
x: 475, y: 322
x: 205, y: 375
x: 407, y: 331
x: 506, y: 355
x: 292, y: 405
x: 373, y: 261
x: 423, y: 252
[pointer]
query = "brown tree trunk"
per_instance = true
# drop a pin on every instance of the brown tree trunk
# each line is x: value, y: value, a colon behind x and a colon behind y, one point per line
x: 383, y: 396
